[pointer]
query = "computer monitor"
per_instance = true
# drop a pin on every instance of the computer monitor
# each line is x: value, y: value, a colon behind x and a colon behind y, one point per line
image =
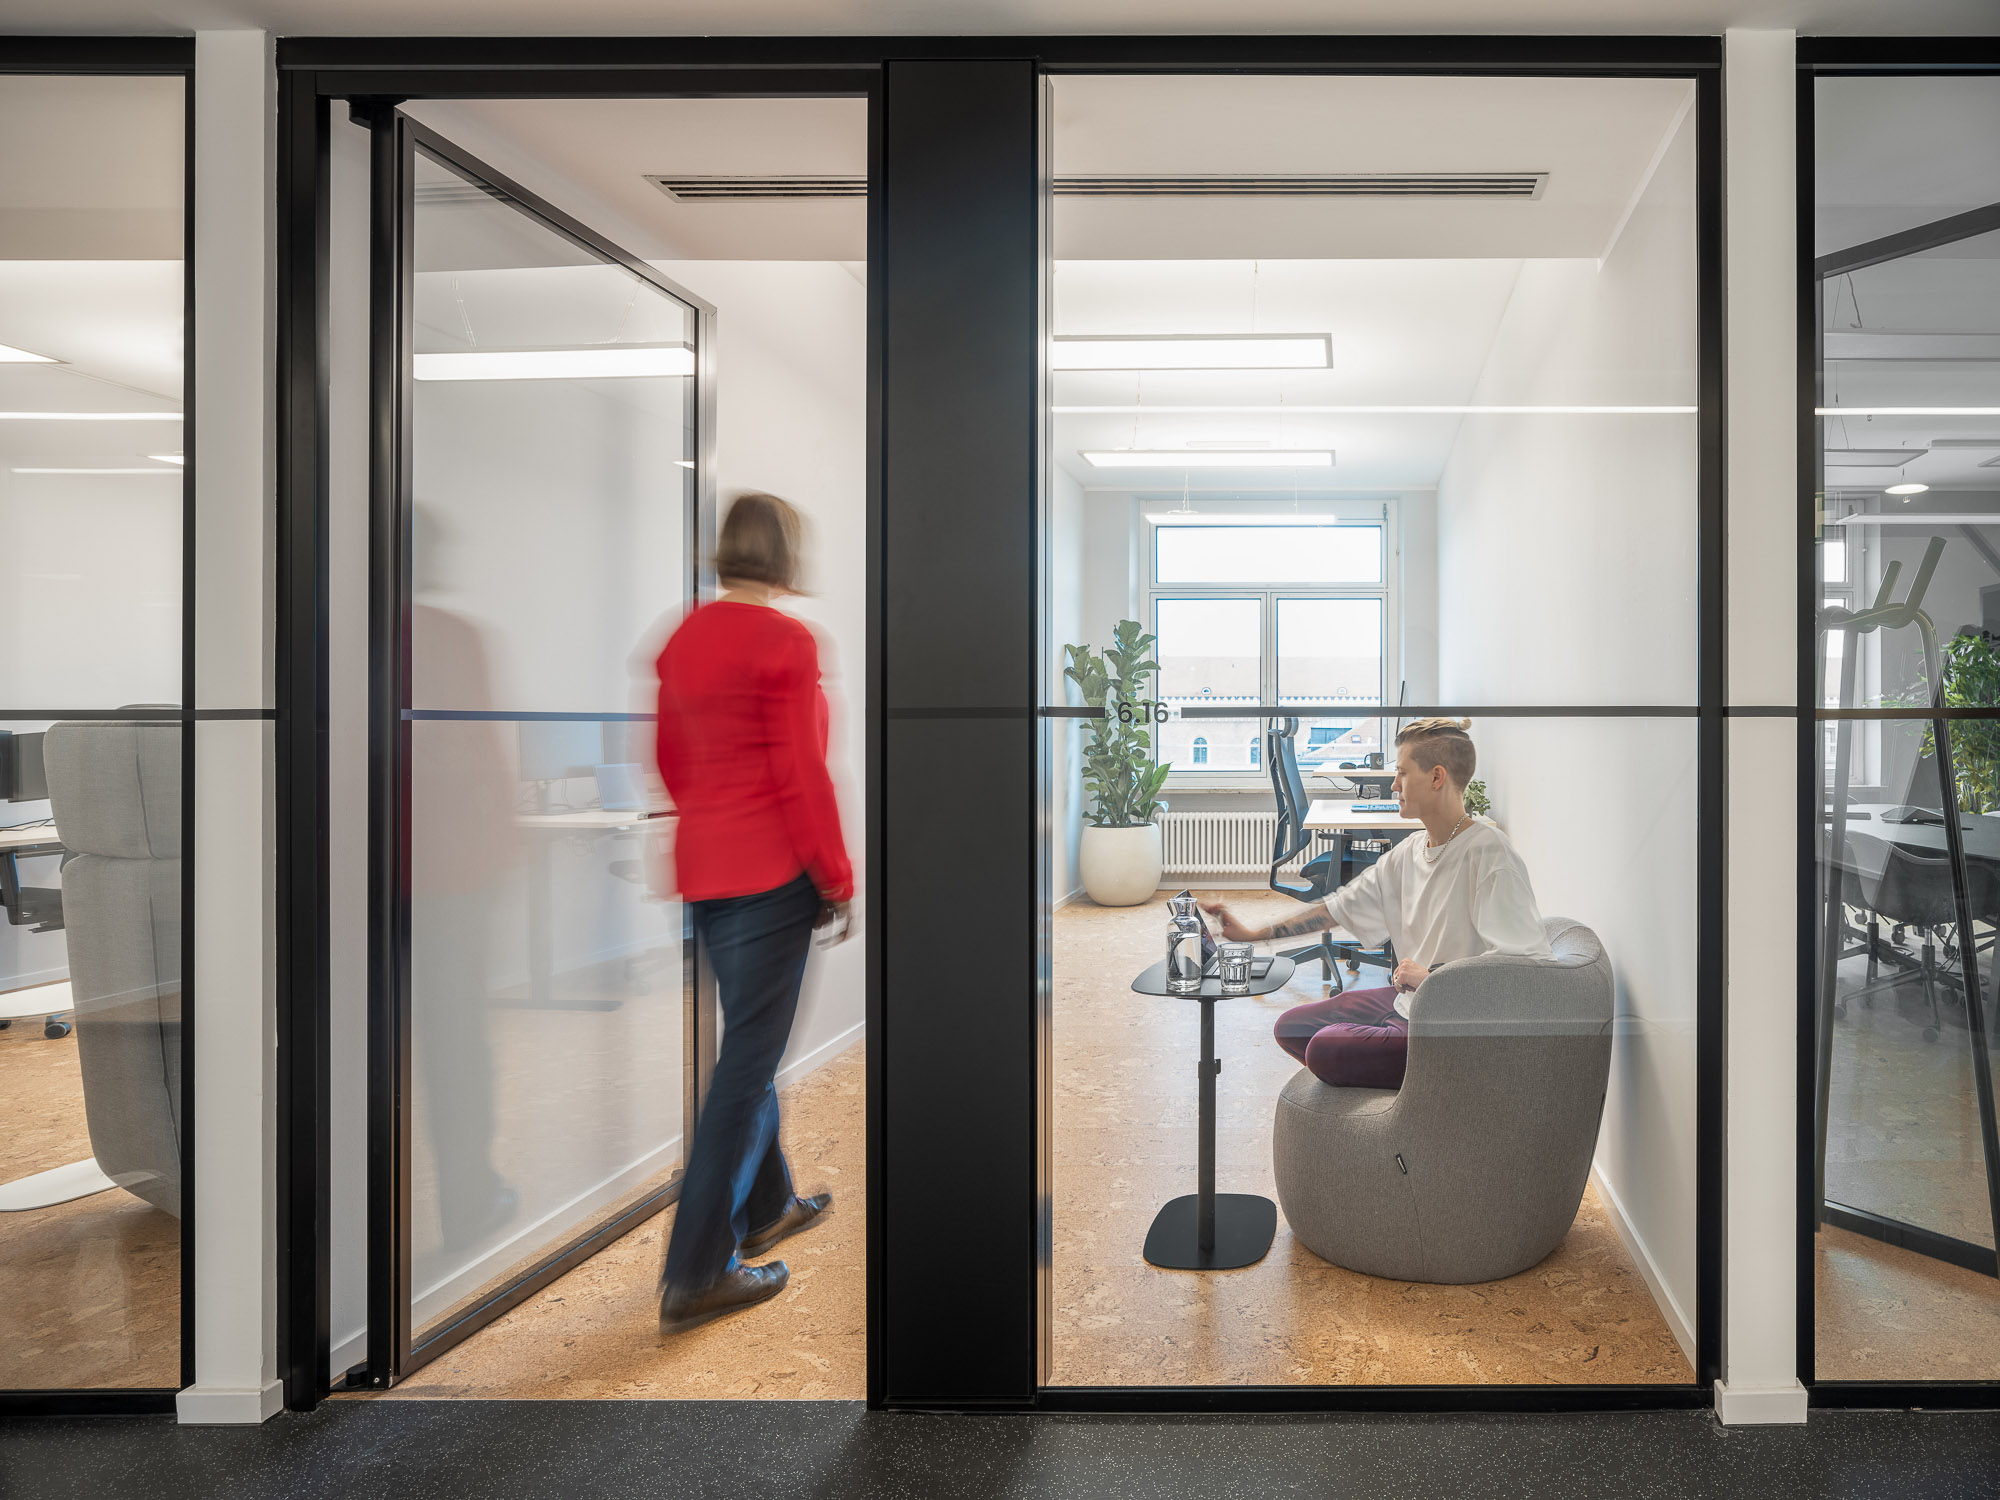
x: 23, y: 777
x: 557, y: 749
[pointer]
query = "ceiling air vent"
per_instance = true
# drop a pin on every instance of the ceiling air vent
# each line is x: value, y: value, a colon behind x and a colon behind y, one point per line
x: 757, y: 189
x: 1314, y: 185
x: 1213, y: 185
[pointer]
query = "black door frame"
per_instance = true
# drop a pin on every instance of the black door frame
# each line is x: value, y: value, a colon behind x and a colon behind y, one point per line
x: 955, y: 200
x: 1847, y: 57
x: 158, y: 57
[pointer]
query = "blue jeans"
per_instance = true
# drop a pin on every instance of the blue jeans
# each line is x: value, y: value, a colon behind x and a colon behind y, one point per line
x: 737, y: 1179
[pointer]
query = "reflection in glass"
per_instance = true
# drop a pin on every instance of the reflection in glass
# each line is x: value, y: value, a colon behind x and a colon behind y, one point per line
x: 553, y: 455
x: 91, y: 1112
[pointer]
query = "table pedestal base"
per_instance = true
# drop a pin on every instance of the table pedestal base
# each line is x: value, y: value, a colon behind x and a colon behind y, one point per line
x: 1244, y: 1227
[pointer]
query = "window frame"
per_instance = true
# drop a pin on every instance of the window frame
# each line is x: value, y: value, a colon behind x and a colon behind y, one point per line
x: 1387, y: 591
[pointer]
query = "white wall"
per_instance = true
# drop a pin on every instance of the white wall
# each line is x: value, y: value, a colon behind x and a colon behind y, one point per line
x: 1567, y: 575
x: 791, y: 366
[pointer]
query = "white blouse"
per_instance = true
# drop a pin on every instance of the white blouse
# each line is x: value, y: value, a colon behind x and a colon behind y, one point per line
x: 1475, y: 899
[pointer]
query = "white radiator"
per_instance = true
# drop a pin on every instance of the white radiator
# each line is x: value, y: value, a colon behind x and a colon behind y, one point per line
x: 1222, y: 843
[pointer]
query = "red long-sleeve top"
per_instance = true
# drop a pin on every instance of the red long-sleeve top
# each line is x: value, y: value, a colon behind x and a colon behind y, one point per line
x: 742, y: 746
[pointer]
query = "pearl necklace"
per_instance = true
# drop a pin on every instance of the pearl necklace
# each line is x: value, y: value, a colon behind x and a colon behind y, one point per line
x: 1431, y: 854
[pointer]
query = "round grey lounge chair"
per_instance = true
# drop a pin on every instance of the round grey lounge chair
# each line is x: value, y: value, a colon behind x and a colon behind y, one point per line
x: 1473, y: 1170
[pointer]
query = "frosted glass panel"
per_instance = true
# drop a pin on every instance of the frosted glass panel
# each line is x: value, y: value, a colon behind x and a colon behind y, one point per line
x: 553, y: 449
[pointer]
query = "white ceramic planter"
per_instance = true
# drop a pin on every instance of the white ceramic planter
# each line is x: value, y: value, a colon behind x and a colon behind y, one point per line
x: 1120, y: 866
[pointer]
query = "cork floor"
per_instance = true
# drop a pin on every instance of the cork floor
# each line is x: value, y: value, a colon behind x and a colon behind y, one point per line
x: 89, y: 1290
x: 1125, y: 1091
x: 1903, y: 1141
x: 594, y: 1333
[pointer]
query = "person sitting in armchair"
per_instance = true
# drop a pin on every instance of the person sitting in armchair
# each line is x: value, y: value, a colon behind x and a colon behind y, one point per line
x: 1458, y: 891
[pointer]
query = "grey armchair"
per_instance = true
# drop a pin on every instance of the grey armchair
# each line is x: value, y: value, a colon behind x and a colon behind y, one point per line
x: 115, y: 790
x: 1474, y: 1169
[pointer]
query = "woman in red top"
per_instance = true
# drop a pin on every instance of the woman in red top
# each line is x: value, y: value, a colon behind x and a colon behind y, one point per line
x: 759, y: 857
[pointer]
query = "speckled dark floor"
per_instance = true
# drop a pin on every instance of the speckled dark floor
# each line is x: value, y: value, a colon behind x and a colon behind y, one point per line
x: 697, y: 1449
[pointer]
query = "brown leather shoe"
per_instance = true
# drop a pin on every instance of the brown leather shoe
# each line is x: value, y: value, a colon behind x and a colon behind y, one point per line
x: 801, y: 1213
x: 745, y: 1286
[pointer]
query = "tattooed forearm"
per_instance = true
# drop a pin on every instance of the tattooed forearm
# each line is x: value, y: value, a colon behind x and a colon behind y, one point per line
x: 1318, y: 919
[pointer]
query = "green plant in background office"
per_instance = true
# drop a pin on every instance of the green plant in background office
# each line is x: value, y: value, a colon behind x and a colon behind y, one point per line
x: 1476, y: 801
x: 1970, y: 671
x: 1119, y: 855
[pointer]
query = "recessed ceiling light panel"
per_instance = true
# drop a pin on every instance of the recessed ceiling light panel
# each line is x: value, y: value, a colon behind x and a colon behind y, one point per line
x: 9, y: 355
x: 1210, y: 458
x: 1193, y: 351
x: 608, y: 362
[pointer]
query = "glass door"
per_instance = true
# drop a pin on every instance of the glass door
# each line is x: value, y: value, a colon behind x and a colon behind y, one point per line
x: 539, y: 503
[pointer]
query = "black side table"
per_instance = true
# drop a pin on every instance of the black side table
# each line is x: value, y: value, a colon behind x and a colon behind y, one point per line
x: 1207, y: 1230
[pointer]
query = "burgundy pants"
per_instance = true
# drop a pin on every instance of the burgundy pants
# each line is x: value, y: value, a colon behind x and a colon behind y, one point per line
x: 1352, y: 1040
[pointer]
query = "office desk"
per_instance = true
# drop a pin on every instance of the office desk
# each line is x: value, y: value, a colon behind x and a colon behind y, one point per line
x: 1331, y: 814
x: 1981, y: 831
x: 26, y: 843
x: 582, y: 820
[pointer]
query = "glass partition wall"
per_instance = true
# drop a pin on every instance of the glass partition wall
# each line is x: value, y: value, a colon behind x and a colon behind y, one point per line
x: 542, y: 513
x: 1356, y: 421
x: 1906, y: 549
x: 94, y: 688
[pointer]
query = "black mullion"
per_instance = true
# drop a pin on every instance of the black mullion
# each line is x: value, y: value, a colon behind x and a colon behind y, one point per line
x: 505, y: 66
x: 391, y: 198
x: 304, y: 1208
x: 1711, y: 817
x: 188, y: 748
x: 1811, y: 750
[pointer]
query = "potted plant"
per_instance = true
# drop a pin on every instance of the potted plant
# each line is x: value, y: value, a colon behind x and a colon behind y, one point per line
x: 1970, y: 676
x: 1119, y: 854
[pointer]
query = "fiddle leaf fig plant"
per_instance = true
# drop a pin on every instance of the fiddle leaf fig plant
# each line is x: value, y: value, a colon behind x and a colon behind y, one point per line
x: 1119, y: 772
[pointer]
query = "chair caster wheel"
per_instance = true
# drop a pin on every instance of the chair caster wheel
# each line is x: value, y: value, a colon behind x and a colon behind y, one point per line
x: 1840, y: 1007
x: 1930, y: 1033
x: 5, y: 1024
x: 55, y: 1030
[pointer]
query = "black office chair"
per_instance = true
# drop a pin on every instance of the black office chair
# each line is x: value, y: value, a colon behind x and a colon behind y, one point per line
x: 1322, y: 873
x: 1913, y: 892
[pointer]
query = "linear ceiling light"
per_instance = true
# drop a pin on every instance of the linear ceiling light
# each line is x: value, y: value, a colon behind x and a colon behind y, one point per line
x: 1906, y: 411
x: 1911, y: 519
x: 1211, y: 458
x: 1213, y: 518
x: 610, y: 362
x: 167, y: 458
x: 9, y: 355
x: 174, y: 472
x: 89, y: 416
x: 1194, y: 351
x: 1296, y: 409
x: 1906, y: 489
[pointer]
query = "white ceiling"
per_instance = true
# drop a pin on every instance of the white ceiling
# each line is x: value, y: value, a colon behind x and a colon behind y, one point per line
x: 90, y: 270
x: 1594, y: 137
x: 1003, y: 17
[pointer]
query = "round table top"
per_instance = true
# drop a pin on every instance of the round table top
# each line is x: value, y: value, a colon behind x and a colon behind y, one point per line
x: 1154, y: 981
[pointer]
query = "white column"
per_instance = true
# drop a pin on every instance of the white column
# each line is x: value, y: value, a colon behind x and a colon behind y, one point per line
x: 235, y: 1126
x: 1759, y: 1354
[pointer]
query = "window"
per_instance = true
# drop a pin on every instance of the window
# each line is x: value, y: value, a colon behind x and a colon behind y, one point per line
x: 1263, y: 614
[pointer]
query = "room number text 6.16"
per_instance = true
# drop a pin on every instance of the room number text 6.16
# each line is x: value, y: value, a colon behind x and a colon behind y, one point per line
x: 1143, y: 710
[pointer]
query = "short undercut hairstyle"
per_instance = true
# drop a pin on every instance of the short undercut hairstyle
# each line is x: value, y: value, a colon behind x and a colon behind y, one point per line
x: 1441, y: 742
x: 761, y: 539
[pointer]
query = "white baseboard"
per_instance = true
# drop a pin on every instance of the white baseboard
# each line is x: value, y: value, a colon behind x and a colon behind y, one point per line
x: 1760, y: 1405
x: 1069, y: 900
x: 1635, y: 1246
x: 229, y: 1406
x: 824, y: 1053
x: 346, y: 1354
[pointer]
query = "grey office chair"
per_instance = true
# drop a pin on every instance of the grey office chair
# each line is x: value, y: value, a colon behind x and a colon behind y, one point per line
x: 115, y: 790
x: 1321, y: 874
